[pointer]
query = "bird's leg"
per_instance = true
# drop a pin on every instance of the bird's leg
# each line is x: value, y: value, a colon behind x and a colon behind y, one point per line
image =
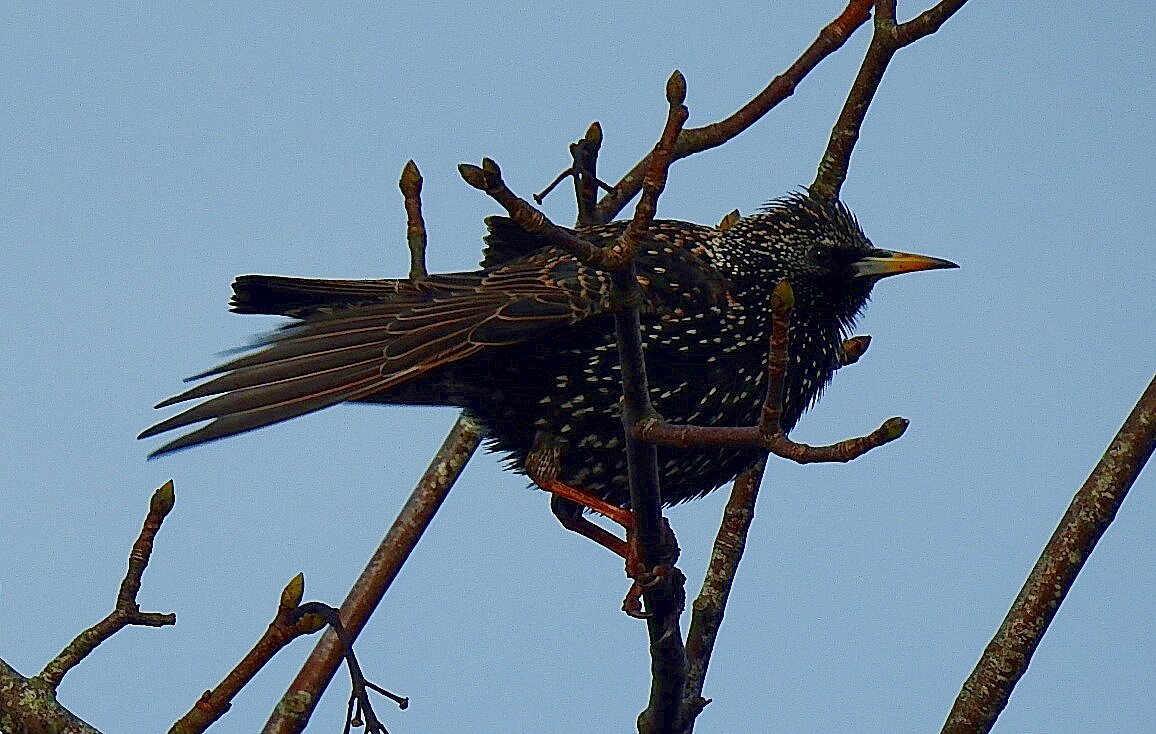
x: 542, y: 466
x: 567, y: 505
x: 569, y: 513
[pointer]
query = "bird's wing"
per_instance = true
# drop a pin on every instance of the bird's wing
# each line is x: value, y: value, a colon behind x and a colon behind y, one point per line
x: 360, y: 338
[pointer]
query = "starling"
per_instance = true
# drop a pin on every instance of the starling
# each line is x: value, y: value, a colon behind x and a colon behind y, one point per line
x: 526, y: 345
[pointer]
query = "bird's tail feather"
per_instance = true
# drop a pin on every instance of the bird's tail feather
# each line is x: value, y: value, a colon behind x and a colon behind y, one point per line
x: 283, y: 296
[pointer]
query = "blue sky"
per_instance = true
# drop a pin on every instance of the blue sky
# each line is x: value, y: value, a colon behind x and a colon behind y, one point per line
x: 151, y: 153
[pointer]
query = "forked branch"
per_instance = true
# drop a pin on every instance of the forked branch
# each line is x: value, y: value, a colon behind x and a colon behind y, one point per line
x: 886, y: 39
x: 696, y: 140
x: 769, y: 434
x: 29, y: 704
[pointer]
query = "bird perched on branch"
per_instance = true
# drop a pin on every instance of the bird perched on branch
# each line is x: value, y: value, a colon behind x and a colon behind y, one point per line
x: 526, y: 345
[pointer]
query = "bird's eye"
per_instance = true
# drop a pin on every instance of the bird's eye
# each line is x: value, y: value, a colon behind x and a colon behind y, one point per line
x: 822, y: 254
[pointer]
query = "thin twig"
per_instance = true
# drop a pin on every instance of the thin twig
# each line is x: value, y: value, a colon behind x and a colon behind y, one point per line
x: 360, y: 712
x: 298, y: 702
x: 769, y: 435
x: 287, y: 625
x: 127, y: 610
x: 415, y: 236
x: 488, y: 178
x: 708, y: 608
x: 886, y: 38
x: 1004, y: 661
x: 29, y: 705
x: 696, y: 140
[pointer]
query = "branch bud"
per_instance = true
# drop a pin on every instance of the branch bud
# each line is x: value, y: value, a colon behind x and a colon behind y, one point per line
x: 293, y: 592
x: 163, y: 499
x: 783, y: 299
x: 895, y: 427
x: 410, y: 178
x: 473, y: 175
x: 676, y: 89
x: 594, y: 135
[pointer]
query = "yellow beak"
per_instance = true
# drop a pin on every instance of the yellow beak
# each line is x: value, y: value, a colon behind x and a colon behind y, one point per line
x: 882, y: 263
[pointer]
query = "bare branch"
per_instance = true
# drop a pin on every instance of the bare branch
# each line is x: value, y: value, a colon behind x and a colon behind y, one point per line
x: 886, y: 39
x: 488, y: 178
x: 127, y: 610
x: 1004, y: 661
x: 298, y: 702
x: 696, y: 140
x: 710, y: 605
x: 29, y: 705
x: 415, y: 235
x: 769, y: 435
x: 665, y: 597
x: 287, y: 625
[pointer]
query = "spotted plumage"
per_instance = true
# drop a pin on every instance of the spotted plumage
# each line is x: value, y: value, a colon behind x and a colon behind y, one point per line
x: 526, y: 344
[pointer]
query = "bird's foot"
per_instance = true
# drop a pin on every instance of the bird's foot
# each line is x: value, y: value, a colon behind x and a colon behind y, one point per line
x: 648, y: 577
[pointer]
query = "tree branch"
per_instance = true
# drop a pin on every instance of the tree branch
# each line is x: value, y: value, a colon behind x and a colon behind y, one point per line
x: 664, y: 599
x: 708, y: 608
x: 415, y: 236
x: 29, y: 705
x: 127, y: 610
x: 886, y: 39
x: 769, y: 434
x: 696, y: 140
x: 1004, y: 661
x: 287, y: 625
x: 298, y: 702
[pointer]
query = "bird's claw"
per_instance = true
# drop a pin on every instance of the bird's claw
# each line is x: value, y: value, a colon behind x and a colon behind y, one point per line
x: 643, y: 580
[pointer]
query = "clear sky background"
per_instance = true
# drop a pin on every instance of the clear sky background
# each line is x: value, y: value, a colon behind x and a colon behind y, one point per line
x: 151, y: 153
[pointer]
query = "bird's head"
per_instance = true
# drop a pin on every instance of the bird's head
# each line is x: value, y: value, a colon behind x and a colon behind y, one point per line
x: 819, y: 246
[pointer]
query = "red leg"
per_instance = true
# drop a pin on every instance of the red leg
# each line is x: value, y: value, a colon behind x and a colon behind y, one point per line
x: 570, y: 515
x: 567, y: 504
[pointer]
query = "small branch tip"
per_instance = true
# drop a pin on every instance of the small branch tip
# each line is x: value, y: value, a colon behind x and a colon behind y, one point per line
x: 410, y: 177
x: 294, y: 591
x: 163, y: 499
x: 594, y: 134
x: 893, y: 428
x: 676, y: 89
x: 783, y: 299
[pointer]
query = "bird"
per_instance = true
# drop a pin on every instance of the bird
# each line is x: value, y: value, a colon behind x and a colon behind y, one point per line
x: 526, y: 345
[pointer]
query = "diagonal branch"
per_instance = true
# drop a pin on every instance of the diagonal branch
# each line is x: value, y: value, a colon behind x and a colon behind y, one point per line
x: 287, y: 625
x: 708, y: 607
x: 987, y: 689
x: 298, y: 702
x: 886, y: 39
x: 127, y: 610
x: 696, y: 140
